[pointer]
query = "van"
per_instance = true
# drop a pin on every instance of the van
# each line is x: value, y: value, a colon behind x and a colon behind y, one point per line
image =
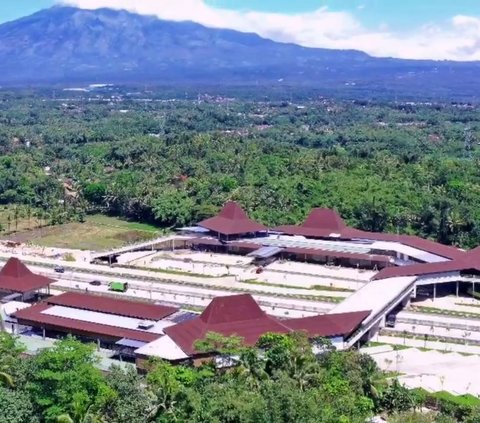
x: 118, y: 286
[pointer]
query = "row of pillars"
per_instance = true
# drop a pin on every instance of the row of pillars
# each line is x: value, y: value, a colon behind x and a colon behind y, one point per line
x: 457, y: 289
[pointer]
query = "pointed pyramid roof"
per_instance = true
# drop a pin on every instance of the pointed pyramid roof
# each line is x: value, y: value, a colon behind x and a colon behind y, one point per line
x: 232, y: 308
x: 325, y: 219
x: 321, y: 223
x: 238, y: 315
x: 232, y: 220
x: 16, y: 277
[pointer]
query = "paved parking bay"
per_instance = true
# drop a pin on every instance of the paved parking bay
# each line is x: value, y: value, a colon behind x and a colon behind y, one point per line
x: 433, y: 370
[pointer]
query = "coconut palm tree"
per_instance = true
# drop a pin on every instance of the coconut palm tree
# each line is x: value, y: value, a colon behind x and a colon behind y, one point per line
x: 89, y: 417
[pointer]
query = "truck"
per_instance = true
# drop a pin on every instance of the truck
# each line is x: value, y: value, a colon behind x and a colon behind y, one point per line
x: 118, y: 286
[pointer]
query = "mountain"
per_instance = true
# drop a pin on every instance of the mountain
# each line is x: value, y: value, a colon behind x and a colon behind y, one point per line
x: 68, y: 45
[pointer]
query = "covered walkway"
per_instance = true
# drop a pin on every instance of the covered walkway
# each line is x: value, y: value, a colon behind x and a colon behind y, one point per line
x: 381, y: 297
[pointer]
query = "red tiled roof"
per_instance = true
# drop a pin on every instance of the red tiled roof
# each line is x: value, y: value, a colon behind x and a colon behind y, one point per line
x: 232, y: 308
x: 326, y: 223
x: 320, y: 223
x: 328, y: 219
x: 232, y: 315
x: 109, y: 305
x: 466, y: 261
x: 232, y: 220
x: 328, y: 325
x: 33, y: 316
x: 428, y: 245
x: 16, y: 277
x: 240, y: 315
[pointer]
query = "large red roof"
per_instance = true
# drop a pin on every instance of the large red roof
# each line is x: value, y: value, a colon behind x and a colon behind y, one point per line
x: 110, y: 305
x: 328, y: 325
x: 232, y: 315
x: 326, y: 223
x: 427, y: 245
x: 240, y: 315
x: 16, y: 277
x: 232, y: 220
x: 327, y: 219
x: 467, y: 261
x: 320, y: 223
x: 33, y: 316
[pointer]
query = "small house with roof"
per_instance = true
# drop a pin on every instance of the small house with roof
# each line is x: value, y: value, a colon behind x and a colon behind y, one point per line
x: 16, y: 278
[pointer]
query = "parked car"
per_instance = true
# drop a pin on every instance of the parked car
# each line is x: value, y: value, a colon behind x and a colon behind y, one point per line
x: 59, y: 269
x: 95, y: 283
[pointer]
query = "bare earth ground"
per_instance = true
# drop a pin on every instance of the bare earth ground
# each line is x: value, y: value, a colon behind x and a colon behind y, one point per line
x: 96, y: 233
x: 9, y: 223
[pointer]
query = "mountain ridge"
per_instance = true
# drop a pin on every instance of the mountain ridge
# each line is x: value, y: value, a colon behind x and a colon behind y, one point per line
x: 65, y: 45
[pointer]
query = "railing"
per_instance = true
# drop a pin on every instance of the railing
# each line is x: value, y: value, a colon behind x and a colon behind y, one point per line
x: 200, y: 296
x: 378, y: 316
x: 439, y: 323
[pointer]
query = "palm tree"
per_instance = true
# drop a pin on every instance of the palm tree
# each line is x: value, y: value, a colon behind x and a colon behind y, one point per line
x: 89, y: 417
x: 6, y: 379
x: 252, y: 367
x: 29, y: 215
x: 16, y: 215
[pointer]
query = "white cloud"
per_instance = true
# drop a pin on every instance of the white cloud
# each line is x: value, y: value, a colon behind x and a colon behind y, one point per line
x: 456, y: 39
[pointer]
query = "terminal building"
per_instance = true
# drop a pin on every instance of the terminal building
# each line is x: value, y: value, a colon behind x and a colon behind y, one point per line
x: 138, y: 330
x: 322, y: 238
x: 403, y: 267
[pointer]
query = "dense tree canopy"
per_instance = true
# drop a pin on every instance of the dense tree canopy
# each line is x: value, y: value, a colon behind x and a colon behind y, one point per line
x: 279, y: 380
x: 409, y: 168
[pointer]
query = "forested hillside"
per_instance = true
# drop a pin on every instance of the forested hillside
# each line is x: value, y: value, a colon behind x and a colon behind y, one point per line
x: 408, y: 168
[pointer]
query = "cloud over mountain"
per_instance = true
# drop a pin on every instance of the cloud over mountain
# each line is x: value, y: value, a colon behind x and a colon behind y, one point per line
x: 455, y: 39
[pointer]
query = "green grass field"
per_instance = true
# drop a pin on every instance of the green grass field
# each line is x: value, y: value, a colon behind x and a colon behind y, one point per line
x: 97, y: 233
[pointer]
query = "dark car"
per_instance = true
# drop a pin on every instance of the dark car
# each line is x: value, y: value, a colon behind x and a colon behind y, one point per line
x: 59, y: 269
x: 95, y: 283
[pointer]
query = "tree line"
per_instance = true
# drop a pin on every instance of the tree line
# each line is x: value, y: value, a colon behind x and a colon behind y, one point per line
x: 278, y: 380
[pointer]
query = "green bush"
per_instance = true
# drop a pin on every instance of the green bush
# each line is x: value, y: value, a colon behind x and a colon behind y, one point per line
x: 460, y: 407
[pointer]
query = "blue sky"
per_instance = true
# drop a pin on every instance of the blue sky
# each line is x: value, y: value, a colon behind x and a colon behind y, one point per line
x: 397, y: 14
x: 417, y: 29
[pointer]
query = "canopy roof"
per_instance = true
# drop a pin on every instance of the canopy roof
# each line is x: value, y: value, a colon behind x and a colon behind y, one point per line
x: 327, y: 223
x: 16, y: 277
x: 240, y: 315
x: 329, y: 325
x: 468, y: 261
x: 232, y: 220
x: 117, y: 306
x: 36, y: 316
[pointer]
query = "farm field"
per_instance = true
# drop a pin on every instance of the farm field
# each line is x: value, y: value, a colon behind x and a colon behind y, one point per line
x: 98, y: 232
